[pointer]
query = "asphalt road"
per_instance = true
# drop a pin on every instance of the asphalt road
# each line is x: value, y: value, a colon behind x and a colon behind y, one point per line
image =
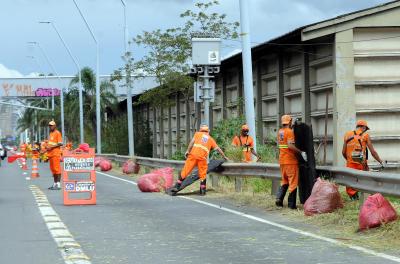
x: 127, y: 226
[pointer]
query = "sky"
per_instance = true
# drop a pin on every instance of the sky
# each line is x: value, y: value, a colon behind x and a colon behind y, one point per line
x: 19, y: 25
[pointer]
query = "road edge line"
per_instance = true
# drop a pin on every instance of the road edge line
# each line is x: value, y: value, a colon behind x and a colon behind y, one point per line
x: 70, y: 250
x: 287, y: 228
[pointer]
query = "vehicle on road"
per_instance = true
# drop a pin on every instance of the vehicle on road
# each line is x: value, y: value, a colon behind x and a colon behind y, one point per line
x: 3, y: 152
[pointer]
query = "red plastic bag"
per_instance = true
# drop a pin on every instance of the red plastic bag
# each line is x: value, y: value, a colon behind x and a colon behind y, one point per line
x: 157, y: 180
x: 97, y: 161
x: 324, y: 198
x: 84, y: 147
x: 168, y: 176
x: 13, y: 158
x: 375, y: 211
x: 105, y: 165
x: 130, y: 167
x: 150, y: 183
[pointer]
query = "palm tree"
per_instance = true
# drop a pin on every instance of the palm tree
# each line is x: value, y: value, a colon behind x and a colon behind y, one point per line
x: 107, y: 100
x: 32, y: 118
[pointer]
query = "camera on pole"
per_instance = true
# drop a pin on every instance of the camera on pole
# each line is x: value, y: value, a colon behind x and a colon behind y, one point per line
x: 206, y: 61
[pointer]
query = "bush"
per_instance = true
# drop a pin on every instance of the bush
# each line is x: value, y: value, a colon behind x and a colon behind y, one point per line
x: 178, y: 155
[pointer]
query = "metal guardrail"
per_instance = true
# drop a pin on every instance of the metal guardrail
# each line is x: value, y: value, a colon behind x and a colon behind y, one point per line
x: 369, y: 182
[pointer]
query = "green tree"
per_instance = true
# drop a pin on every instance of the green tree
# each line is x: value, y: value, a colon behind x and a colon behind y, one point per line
x: 71, y: 106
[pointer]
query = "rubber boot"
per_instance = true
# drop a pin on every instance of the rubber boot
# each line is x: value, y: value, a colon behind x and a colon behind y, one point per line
x: 292, y: 199
x: 281, y: 195
x: 177, y: 187
x: 203, y: 187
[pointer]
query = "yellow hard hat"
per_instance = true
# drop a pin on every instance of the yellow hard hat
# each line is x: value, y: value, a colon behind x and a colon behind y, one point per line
x: 286, y: 119
x: 245, y: 127
x: 52, y: 123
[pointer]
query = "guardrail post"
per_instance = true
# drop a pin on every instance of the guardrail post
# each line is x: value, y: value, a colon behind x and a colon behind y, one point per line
x: 214, y: 180
x: 238, y: 184
x: 275, y: 186
x: 363, y: 197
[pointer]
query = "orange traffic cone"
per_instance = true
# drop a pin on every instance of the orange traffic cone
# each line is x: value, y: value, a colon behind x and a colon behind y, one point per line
x: 24, y: 167
x: 35, y: 170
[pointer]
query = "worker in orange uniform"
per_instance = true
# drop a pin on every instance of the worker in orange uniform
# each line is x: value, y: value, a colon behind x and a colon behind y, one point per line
x: 53, y: 150
x: 288, y: 163
x: 197, y: 155
x: 355, y: 151
x: 43, y: 154
x: 246, y: 142
x: 35, y: 150
x: 69, y: 145
x: 22, y: 147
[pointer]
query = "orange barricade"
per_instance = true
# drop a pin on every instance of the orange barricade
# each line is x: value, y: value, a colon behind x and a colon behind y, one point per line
x: 79, y: 162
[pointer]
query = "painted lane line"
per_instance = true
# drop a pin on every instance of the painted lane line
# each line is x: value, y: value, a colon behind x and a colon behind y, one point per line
x: 70, y: 250
x: 284, y: 227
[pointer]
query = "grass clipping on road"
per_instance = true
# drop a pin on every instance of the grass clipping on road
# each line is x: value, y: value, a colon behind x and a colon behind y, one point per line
x: 341, y: 224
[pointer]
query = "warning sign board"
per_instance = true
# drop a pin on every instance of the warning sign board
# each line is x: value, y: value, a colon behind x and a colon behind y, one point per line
x: 79, y: 163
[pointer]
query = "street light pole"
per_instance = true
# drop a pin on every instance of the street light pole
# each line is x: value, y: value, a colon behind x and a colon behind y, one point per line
x: 131, y: 140
x: 247, y: 68
x: 81, y: 128
x: 61, y: 86
x: 98, y: 114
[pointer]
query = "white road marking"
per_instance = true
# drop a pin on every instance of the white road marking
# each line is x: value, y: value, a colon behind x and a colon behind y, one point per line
x: 284, y: 227
x: 70, y: 250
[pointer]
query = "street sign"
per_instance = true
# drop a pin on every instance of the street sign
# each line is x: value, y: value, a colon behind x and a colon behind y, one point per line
x: 206, y: 51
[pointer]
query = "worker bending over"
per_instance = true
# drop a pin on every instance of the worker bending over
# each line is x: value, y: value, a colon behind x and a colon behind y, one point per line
x: 355, y: 151
x: 246, y: 142
x: 197, y: 155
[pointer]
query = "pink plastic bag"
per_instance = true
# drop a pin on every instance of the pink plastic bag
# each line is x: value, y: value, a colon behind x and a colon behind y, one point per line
x: 130, y: 167
x: 375, y: 211
x: 157, y: 180
x: 97, y: 161
x: 150, y: 183
x: 324, y: 198
x: 168, y: 176
x: 84, y: 147
x: 105, y: 165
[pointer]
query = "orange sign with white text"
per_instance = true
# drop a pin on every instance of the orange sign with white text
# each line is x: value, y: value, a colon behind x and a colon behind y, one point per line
x: 76, y: 166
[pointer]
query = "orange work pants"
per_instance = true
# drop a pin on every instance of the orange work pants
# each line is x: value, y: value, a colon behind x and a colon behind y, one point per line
x: 350, y: 191
x: 192, y: 162
x: 290, y: 175
x: 246, y: 156
x: 55, y: 165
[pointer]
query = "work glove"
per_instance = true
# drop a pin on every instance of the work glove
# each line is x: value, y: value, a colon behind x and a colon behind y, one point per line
x: 186, y: 154
x: 383, y: 164
x: 258, y: 158
x: 304, y: 155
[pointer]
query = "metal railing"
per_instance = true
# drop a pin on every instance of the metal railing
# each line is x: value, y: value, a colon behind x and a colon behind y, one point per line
x: 366, y: 181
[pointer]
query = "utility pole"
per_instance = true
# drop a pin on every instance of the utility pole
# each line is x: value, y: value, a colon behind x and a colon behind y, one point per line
x: 98, y: 114
x: 247, y: 68
x: 131, y: 139
x: 81, y: 127
x: 52, y: 90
